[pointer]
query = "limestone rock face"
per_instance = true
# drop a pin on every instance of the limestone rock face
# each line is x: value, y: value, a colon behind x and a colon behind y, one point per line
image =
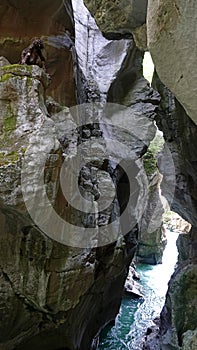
x: 171, y: 41
x: 21, y: 23
x: 190, y: 340
x: 34, y: 275
x: 48, y: 287
x: 104, y: 57
x: 151, y: 239
x: 118, y: 18
x: 175, y: 222
x: 178, y: 315
x: 180, y: 135
x: 43, y: 282
x: 172, y: 44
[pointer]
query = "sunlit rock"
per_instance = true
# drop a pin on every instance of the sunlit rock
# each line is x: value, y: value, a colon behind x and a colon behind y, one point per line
x: 172, y: 43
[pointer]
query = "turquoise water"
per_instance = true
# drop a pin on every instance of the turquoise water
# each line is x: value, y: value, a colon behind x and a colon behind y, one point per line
x: 137, y: 314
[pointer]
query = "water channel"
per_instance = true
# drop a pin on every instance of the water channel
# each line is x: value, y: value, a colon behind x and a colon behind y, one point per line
x: 137, y: 314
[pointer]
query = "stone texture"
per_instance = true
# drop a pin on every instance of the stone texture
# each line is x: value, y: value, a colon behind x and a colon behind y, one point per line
x: 178, y: 315
x: 125, y: 86
x: 132, y: 287
x: 180, y: 135
x: 35, y: 271
x: 50, y: 286
x: 118, y: 18
x: 190, y: 340
x: 171, y: 41
x: 51, y: 21
x: 151, y: 238
x: 152, y: 339
x: 4, y: 61
x: 104, y: 57
x: 174, y: 222
x: 35, y: 289
x: 140, y: 37
x: 42, y: 281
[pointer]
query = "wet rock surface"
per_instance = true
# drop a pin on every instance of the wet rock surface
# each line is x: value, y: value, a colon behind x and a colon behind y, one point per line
x: 175, y: 222
x: 151, y: 238
x: 131, y: 286
x: 152, y: 338
x: 47, y: 288
x: 180, y: 135
x: 169, y: 28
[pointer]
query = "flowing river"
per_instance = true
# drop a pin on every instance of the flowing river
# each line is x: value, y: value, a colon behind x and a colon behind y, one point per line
x: 137, y: 314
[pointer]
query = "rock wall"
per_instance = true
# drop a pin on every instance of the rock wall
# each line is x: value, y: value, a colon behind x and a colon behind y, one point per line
x: 118, y: 19
x: 151, y: 237
x: 180, y: 135
x: 123, y: 87
x: 20, y: 23
x: 48, y: 288
x: 174, y: 222
x: 55, y: 295
x: 171, y: 41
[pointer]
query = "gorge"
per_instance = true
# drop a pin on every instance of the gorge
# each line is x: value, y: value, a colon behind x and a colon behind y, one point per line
x: 76, y: 197
x: 139, y: 316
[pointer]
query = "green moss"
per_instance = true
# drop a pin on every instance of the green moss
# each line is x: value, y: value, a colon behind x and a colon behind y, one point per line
x: 149, y: 162
x: 23, y: 150
x: 10, y: 152
x: 183, y: 292
x: 15, y: 69
x: 9, y: 123
x: 11, y: 157
x: 10, y: 66
x: 149, y: 159
x: 28, y: 82
x: 18, y: 67
x: 5, y: 77
x: 7, y: 138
